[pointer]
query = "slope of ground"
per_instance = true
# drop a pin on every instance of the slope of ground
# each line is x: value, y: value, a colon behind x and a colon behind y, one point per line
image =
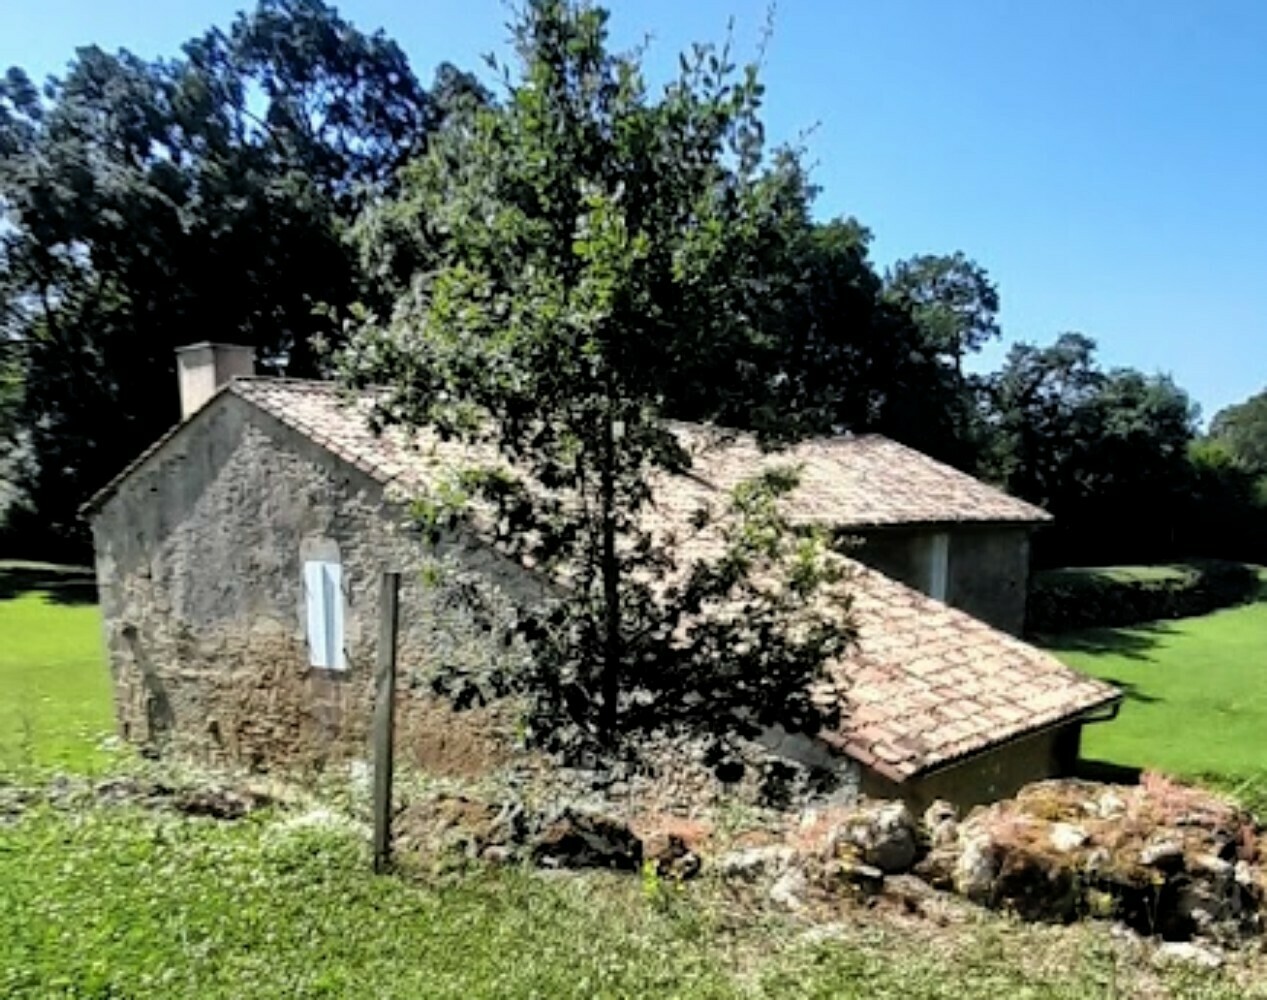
x: 112, y: 902
x: 54, y: 686
x: 1196, y: 693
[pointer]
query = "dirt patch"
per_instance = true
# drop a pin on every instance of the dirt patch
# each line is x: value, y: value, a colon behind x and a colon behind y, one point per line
x: 452, y: 825
x: 442, y: 743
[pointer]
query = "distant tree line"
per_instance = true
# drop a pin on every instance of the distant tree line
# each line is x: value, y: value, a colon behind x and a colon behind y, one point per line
x: 267, y: 185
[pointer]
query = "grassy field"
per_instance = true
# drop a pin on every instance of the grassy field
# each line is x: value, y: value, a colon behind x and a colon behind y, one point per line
x: 1196, y: 693
x: 111, y: 903
x: 54, y: 687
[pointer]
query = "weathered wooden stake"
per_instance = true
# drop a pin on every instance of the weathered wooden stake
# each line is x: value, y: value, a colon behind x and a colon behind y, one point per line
x: 384, y: 718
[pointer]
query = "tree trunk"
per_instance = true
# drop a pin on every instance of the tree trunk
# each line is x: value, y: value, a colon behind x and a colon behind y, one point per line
x: 610, y: 681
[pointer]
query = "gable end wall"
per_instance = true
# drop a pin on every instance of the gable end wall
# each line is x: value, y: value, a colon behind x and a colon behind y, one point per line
x: 988, y: 567
x: 199, y: 562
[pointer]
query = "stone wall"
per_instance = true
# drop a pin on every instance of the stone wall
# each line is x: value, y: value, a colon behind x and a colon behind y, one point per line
x: 199, y: 563
x: 987, y: 574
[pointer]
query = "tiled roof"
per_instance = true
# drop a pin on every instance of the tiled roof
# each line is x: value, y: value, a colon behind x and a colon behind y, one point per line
x: 862, y: 481
x: 925, y: 685
x: 339, y: 423
x: 848, y: 482
x: 928, y: 684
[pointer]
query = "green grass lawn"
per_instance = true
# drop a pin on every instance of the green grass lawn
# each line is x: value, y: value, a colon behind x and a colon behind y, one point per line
x: 116, y: 903
x: 1196, y: 693
x: 54, y: 685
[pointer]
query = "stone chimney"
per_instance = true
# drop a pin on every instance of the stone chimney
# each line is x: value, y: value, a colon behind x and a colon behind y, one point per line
x: 203, y: 368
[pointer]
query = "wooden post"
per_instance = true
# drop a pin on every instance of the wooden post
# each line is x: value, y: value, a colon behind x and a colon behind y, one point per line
x: 384, y: 718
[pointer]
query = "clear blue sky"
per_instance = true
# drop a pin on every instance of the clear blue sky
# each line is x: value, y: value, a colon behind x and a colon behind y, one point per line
x: 1106, y: 161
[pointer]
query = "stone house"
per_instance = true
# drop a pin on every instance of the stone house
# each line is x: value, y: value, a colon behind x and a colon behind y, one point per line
x: 239, y: 558
x: 914, y: 519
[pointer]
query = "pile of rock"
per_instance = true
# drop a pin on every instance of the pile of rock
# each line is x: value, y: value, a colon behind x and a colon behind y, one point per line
x: 212, y: 799
x: 455, y: 825
x: 1162, y: 858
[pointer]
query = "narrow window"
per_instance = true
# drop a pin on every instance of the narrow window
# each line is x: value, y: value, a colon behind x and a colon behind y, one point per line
x: 323, y: 597
x: 938, y: 565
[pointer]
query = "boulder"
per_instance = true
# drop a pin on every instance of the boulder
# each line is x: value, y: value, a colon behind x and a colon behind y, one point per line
x: 1066, y: 837
x: 976, y: 868
x: 586, y: 840
x: 882, y: 834
x: 670, y: 855
x: 217, y: 803
x: 1165, y: 855
x: 212, y: 801
x: 456, y: 825
x: 941, y: 824
x: 752, y: 863
x: 1030, y: 885
x: 789, y: 889
x: 1186, y: 953
x: 866, y: 878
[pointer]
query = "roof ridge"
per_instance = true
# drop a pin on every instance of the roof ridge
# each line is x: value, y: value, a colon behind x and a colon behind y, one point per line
x: 286, y: 380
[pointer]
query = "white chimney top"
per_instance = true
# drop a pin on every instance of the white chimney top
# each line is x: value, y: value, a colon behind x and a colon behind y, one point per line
x: 204, y: 368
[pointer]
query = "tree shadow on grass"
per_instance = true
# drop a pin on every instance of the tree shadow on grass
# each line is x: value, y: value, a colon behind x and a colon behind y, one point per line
x: 1134, y: 642
x: 1107, y: 771
x: 60, y: 584
x: 1132, y: 692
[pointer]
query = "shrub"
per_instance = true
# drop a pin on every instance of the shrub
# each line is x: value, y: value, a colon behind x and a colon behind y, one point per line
x: 1111, y: 596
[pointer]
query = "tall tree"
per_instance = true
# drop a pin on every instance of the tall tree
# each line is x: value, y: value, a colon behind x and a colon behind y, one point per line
x: 597, y: 254
x: 150, y: 204
x: 1242, y: 429
x: 1105, y: 452
x: 951, y: 299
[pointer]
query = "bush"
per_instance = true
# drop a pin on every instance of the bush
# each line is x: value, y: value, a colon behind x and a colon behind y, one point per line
x: 1111, y: 596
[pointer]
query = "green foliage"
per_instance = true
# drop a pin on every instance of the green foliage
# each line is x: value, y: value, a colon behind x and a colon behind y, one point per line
x: 860, y: 352
x: 1242, y: 430
x: 118, y: 903
x: 1104, y: 452
x: 150, y: 204
x: 1225, y: 505
x: 587, y: 253
x: 951, y: 299
x: 126, y: 905
x: 1063, y: 599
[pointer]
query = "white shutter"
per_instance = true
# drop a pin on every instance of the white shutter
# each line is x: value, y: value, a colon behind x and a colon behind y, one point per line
x: 332, y: 579
x: 323, y: 600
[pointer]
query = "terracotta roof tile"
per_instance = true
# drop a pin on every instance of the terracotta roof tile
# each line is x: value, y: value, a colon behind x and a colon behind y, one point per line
x: 1007, y: 689
x: 861, y: 481
x: 926, y: 684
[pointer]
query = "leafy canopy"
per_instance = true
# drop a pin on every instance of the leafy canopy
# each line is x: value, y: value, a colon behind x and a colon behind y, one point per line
x: 151, y: 204
x: 1106, y: 452
x: 585, y: 254
x: 1242, y: 429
